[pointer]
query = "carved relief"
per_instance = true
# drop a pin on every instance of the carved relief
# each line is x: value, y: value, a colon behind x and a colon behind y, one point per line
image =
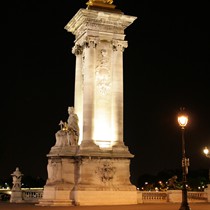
x: 103, y: 74
x: 106, y: 172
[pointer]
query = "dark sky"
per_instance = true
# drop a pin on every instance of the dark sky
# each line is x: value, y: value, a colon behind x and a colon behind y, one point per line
x: 166, y: 66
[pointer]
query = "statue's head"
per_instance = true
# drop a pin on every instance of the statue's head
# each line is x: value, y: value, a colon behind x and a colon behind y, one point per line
x: 71, y: 109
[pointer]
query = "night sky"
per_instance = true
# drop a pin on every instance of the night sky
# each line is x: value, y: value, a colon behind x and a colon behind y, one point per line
x: 166, y: 66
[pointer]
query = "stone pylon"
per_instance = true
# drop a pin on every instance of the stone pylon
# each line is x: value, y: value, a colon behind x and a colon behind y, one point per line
x: 96, y: 169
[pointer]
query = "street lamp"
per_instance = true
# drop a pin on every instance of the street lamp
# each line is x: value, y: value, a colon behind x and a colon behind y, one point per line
x: 183, y: 120
x: 206, y: 152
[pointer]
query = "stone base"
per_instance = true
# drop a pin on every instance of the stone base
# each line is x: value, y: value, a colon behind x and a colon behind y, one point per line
x: 16, y: 197
x: 45, y: 202
x: 91, y: 176
x: 103, y: 181
x: 88, y: 198
x: 55, y: 196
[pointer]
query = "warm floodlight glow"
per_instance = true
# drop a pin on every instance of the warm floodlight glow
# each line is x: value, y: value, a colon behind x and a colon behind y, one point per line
x: 102, y: 134
x: 182, y: 118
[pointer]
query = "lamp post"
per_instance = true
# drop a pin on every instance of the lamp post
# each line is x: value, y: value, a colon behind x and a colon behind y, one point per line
x: 207, y: 154
x: 183, y: 120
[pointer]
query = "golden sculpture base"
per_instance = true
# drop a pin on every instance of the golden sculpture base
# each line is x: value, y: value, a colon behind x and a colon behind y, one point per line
x: 100, y: 4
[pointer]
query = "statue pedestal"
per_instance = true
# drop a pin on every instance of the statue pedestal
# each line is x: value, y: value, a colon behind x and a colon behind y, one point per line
x: 60, y: 182
x: 88, y: 177
x: 103, y: 180
x: 16, y: 196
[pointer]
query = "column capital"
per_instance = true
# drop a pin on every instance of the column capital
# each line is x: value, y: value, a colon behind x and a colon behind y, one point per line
x: 77, y: 49
x: 119, y: 45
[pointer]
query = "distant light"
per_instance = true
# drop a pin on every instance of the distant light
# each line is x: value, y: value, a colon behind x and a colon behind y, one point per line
x: 206, y: 151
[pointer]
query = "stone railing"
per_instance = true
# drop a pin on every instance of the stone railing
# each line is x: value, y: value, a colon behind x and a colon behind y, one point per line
x: 197, y: 196
x: 32, y: 195
x: 172, y: 196
x: 153, y: 197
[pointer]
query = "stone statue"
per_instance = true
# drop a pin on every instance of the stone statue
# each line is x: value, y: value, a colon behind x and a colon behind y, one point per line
x: 69, y: 131
x: 16, y: 176
x: 73, y: 121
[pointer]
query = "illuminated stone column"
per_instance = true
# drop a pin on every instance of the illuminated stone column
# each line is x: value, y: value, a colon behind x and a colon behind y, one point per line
x: 117, y: 97
x: 89, y: 48
x: 78, y: 93
x: 99, y: 76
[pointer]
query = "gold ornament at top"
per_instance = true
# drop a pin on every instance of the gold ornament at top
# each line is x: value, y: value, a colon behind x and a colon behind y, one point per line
x: 107, y: 4
x: 101, y: 1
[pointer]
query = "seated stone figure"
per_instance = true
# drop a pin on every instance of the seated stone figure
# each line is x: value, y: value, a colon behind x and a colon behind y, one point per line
x: 69, y: 131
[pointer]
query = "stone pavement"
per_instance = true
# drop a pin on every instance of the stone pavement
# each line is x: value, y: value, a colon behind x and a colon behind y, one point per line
x: 18, y: 206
